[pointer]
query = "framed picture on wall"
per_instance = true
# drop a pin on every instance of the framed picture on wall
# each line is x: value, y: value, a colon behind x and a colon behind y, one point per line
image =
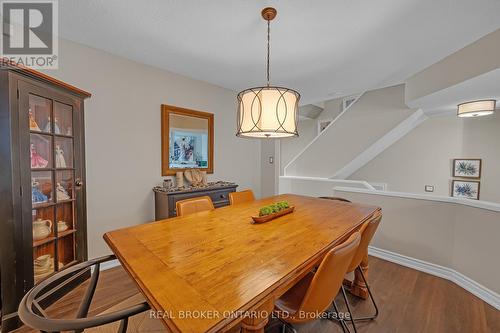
x: 465, y: 189
x: 467, y: 168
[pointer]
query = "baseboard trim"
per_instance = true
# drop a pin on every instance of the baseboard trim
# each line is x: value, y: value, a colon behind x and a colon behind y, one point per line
x: 109, y: 264
x: 478, y: 290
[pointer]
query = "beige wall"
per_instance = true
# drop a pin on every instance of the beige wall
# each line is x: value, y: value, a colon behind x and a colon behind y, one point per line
x: 332, y: 109
x: 424, y: 156
x: 473, y: 60
x: 455, y: 236
x: 269, y: 174
x: 123, y: 134
x: 290, y: 147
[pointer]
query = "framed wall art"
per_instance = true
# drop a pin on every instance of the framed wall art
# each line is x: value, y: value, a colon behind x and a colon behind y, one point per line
x: 465, y: 189
x: 467, y: 168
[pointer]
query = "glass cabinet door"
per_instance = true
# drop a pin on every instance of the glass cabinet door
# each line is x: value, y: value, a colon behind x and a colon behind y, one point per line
x: 53, y: 201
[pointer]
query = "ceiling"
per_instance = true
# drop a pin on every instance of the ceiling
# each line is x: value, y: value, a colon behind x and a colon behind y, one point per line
x: 322, y: 48
x: 445, y: 101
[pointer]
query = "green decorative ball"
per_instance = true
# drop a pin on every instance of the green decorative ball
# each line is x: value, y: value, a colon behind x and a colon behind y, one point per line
x: 265, y: 211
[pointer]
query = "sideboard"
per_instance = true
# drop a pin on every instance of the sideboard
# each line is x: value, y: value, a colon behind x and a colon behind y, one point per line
x: 165, y: 199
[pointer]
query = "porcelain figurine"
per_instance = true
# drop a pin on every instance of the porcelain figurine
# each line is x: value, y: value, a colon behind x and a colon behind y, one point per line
x: 47, y: 128
x: 41, y: 229
x: 61, y: 192
x: 57, y: 130
x: 33, y: 124
x: 37, y: 161
x: 36, y: 195
x: 60, y: 161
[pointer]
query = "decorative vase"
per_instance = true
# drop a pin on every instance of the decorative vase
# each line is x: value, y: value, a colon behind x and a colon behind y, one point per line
x: 167, y: 183
x: 179, y: 177
x: 204, y: 178
x: 41, y: 229
x: 194, y: 176
x: 62, y: 226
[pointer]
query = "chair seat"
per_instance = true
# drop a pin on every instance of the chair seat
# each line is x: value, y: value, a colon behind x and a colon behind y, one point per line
x: 290, y: 301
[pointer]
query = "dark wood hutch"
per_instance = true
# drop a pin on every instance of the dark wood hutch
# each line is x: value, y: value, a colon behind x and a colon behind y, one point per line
x: 42, y: 183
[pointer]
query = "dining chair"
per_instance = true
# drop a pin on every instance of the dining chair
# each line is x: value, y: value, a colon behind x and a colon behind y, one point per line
x: 241, y: 196
x: 193, y: 205
x: 367, y: 231
x: 313, y: 294
x: 32, y: 314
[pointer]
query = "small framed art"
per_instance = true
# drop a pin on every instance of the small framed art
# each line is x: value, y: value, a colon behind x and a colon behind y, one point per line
x: 465, y: 189
x: 467, y: 168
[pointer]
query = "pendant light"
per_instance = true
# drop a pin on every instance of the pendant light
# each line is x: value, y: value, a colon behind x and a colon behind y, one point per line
x: 269, y: 111
x: 476, y: 108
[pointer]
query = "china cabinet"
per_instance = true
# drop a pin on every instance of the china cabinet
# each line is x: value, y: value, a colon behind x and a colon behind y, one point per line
x: 42, y: 183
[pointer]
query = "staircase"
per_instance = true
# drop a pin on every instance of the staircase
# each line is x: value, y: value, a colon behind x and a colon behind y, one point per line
x: 371, y: 124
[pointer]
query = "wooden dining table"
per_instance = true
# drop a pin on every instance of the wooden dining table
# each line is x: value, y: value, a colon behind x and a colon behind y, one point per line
x: 216, y: 271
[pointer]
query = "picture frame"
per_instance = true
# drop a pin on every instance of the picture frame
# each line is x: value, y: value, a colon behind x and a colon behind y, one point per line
x: 469, y: 168
x: 467, y: 189
x: 179, y: 156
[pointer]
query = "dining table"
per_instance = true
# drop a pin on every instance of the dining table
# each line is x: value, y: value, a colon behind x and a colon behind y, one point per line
x: 217, y: 271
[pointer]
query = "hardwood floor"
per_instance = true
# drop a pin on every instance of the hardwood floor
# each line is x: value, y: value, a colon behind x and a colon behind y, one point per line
x: 409, y: 301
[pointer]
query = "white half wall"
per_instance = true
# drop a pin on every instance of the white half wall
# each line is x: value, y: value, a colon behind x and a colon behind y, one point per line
x: 123, y: 134
x: 456, y: 236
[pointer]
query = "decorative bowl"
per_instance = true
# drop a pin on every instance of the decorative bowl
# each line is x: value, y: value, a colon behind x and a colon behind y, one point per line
x: 267, y: 218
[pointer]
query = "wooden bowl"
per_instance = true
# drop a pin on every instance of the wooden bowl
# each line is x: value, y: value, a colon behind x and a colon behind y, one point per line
x: 267, y: 218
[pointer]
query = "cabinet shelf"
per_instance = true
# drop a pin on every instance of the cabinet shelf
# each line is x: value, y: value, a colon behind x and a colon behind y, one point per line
x: 65, y: 233
x: 43, y: 241
x: 42, y: 205
x: 65, y: 201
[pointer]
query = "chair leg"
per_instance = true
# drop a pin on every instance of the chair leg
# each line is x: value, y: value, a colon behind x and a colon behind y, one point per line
x: 345, y: 329
x: 349, y: 310
x: 123, y: 325
x: 286, y: 327
x: 371, y: 298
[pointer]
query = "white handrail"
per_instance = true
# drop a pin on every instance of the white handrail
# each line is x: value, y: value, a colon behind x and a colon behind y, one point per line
x: 367, y: 185
x: 493, y: 206
x: 323, y: 131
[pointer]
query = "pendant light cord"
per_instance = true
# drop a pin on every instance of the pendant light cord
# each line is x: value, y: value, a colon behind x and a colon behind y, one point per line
x: 268, y: 33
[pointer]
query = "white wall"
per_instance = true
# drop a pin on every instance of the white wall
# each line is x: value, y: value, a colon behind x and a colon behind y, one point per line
x: 123, y: 134
x: 425, y: 155
x: 455, y: 236
x: 269, y: 174
x: 473, y: 60
x: 373, y: 115
x: 289, y: 147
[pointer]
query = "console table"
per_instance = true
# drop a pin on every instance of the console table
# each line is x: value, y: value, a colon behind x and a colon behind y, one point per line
x: 165, y: 199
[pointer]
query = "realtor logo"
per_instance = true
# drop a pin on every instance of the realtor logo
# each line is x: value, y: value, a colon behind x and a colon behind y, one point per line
x: 29, y: 33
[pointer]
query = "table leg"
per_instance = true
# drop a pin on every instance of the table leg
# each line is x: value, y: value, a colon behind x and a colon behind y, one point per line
x: 257, y: 319
x: 358, y: 286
